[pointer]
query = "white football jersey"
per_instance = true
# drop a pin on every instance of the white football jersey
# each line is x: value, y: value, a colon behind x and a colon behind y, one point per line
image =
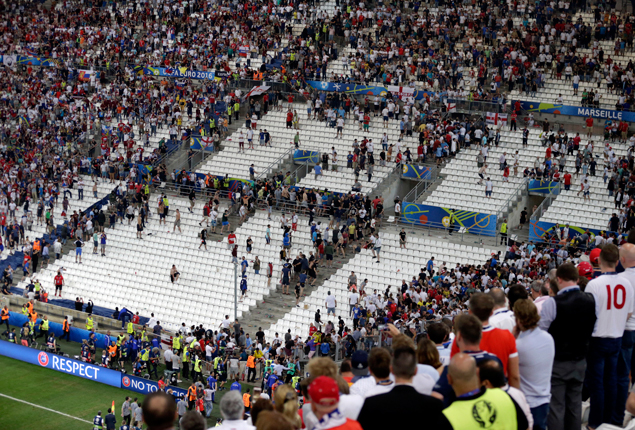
x: 630, y: 275
x: 614, y: 300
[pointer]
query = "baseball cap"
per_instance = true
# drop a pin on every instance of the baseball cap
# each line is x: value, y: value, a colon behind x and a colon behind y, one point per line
x: 359, y: 363
x: 324, y: 391
x: 595, y: 255
x: 585, y: 269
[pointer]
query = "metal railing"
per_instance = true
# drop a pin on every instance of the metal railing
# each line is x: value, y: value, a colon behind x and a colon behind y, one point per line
x: 522, y: 187
x: 421, y: 188
x: 544, y: 205
x: 270, y: 169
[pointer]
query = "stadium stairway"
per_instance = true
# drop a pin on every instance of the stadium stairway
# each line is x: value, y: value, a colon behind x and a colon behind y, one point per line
x: 276, y: 305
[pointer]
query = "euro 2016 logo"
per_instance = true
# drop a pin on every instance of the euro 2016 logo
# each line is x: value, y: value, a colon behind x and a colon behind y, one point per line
x: 43, y: 359
x: 125, y: 381
x: 484, y: 413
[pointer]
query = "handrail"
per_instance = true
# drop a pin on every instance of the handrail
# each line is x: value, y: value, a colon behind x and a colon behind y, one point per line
x: 522, y: 186
x: 270, y: 168
x: 420, y: 189
x: 544, y: 205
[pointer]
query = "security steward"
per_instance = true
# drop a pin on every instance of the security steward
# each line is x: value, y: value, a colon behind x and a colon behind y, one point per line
x: 5, y: 316
x: 89, y: 322
x: 98, y: 422
x: 477, y: 407
x: 191, y: 396
x: 504, y: 232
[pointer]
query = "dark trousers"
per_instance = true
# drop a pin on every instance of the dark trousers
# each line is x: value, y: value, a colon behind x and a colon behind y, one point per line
x: 565, y: 408
x: 251, y: 374
x: 624, y: 366
x: 7, y: 324
x: 186, y: 369
x: 67, y: 335
x: 601, y: 378
x: 126, y: 419
x: 44, y: 334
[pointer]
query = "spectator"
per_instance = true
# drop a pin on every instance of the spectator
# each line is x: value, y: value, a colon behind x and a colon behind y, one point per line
x: 536, y: 352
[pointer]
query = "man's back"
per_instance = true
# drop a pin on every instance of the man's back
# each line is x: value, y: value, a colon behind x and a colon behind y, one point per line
x: 613, y: 295
x: 402, y: 401
x: 110, y: 421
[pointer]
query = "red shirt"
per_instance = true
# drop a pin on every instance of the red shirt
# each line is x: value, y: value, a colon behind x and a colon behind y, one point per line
x: 135, y: 319
x: 231, y: 238
x: 59, y: 280
x: 567, y: 179
x: 496, y: 341
x: 589, y: 122
x: 312, y: 330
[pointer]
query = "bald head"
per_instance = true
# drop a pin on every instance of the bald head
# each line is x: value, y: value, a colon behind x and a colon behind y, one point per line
x: 159, y: 411
x: 499, y: 297
x: 462, y: 374
x: 627, y: 255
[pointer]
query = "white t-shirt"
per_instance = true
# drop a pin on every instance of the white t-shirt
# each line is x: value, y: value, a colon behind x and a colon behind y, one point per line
x: 352, y: 299
x: 614, y: 300
x: 330, y: 301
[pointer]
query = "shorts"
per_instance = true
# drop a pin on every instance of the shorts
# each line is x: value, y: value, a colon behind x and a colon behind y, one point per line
x: 575, y: 86
x: 177, y: 223
x: 78, y: 251
x: 95, y: 243
x: 225, y: 222
x: 385, y: 118
x: 339, y: 128
x: 213, y: 223
x: 330, y: 310
x: 586, y: 193
x: 243, y: 292
x: 308, y: 110
x: 329, y: 257
x: 488, y: 193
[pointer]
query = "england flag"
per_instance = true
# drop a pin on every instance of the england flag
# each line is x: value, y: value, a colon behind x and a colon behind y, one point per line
x: 496, y: 118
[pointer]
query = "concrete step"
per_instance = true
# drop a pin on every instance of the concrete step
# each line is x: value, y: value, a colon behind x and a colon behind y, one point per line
x: 276, y: 305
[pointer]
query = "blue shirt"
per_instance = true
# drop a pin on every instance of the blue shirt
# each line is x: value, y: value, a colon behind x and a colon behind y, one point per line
x: 211, y: 382
x: 235, y: 386
x: 244, y: 265
x: 318, y: 169
x: 536, y: 350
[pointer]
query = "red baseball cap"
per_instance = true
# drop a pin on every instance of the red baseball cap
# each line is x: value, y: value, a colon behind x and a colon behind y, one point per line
x: 594, y: 256
x: 324, y: 391
x: 585, y: 269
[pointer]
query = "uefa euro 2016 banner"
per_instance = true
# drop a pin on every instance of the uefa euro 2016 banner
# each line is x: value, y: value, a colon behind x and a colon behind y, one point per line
x: 543, y: 187
x: 179, y: 72
x: 576, y: 111
x: 437, y: 217
x: 369, y: 90
x: 11, y: 60
x: 78, y: 368
x: 540, y: 230
x: 303, y: 156
x: 415, y: 171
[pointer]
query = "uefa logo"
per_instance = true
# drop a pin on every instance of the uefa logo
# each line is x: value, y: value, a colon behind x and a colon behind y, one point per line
x: 43, y: 359
x: 125, y: 381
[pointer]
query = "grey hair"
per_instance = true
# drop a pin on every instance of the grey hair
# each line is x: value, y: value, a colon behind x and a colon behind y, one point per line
x: 232, y: 406
x: 537, y: 285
